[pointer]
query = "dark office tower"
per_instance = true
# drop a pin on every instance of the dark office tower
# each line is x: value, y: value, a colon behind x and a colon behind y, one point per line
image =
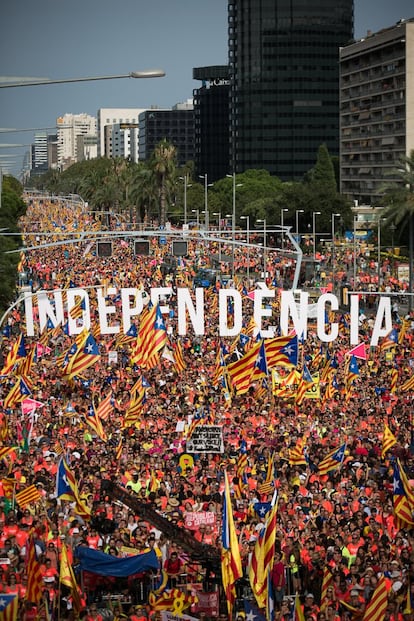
x: 284, y: 69
x: 211, y: 121
x: 176, y: 126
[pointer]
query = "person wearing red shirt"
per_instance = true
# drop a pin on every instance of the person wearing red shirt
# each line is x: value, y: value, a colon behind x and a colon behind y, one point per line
x: 27, y: 518
x: 278, y: 579
x: 93, y: 614
x: 48, y: 571
x: 10, y: 528
x: 172, y: 566
x: 94, y: 540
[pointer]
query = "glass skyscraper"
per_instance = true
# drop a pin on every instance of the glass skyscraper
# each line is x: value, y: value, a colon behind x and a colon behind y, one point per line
x: 284, y: 82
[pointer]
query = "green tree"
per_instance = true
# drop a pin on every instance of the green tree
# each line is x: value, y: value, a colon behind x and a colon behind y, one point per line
x: 323, y: 174
x: 12, y: 209
x: 163, y: 165
x: 144, y: 193
x: 399, y: 198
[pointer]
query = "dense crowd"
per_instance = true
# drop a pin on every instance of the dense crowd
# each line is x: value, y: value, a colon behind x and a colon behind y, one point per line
x: 343, y: 520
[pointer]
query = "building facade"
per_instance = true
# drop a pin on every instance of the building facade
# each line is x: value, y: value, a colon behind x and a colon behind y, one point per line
x: 284, y: 93
x: 118, y: 130
x: 211, y: 121
x: 69, y: 127
x: 376, y: 110
x: 175, y: 125
x: 39, y: 159
x: 124, y: 141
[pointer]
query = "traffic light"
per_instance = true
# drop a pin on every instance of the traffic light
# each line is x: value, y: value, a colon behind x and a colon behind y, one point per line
x: 104, y: 248
x: 142, y: 247
x: 179, y: 248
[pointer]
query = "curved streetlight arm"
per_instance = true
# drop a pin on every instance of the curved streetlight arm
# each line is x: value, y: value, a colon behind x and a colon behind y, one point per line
x: 149, y: 73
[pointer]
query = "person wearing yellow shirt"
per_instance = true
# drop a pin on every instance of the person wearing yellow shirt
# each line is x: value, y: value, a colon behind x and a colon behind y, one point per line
x: 152, y: 545
x: 134, y: 483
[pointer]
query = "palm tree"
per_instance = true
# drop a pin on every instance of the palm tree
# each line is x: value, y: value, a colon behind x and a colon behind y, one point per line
x: 144, y: 193
x: 90, y: 184
x: 163, y: 165
x: 399, y: 197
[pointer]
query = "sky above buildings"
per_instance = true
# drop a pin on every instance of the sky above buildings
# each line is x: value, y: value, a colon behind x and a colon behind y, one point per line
x: 89, y: 38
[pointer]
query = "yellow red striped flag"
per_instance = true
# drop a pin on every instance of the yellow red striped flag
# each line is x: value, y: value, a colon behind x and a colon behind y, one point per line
x: 377, y: 605
x: 28, y: 496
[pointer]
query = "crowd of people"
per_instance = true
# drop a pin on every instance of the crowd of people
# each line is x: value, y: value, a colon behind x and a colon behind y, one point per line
x: 343, y: 520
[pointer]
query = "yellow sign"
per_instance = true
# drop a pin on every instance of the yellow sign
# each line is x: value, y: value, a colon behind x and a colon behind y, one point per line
x: 285, y: 386
x: 314, y: 392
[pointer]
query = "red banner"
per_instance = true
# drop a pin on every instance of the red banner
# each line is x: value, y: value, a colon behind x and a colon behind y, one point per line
x: 193, y: 520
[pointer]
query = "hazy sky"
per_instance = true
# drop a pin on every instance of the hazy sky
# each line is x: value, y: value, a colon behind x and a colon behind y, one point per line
x: 78, y: 38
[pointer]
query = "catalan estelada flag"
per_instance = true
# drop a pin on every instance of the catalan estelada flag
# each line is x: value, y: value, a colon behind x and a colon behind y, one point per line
x: 262, y: 559
x: 403, y: 498
x: 231, y: 567
x: 34, y: 575
x: 85, y: 356
x: 9, y: 605
x: 332, y: 461
x: 388, y: 441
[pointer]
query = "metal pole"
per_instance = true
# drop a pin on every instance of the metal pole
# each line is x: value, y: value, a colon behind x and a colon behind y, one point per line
x: 379, y: 253
x: 282, y: 224
x: 185, y: 199
x: 410, y: 257
x: 333, y: 249
x: 233, y: 222
x: 392, y: 248
x: 354, y: 253
x: 206, y: 223
x: 219, y: 232
x: 298, y: 211
x: 247, y: 218
x: 150, y: 73
x: 218, y: 213
x: 248, y: 248
x: 314, y: 214
x: 314, y: 234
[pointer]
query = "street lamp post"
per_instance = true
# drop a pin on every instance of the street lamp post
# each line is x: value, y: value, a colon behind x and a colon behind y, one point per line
x: 147, y: 73
x: 218, y: 213
x: 314, y: 214
x: 298, y: 211
x: 392, y: 227
x: 229, y: 215
x: 233, y: 218
x: 334, y: 215
x: 206, y: 186
x: 247, y: 218
x: 282, y: 211
x: 264, y: 248
x: 354, y: 253
x: 186, y: 185
x: 379, y: 252
x: 197, y: 212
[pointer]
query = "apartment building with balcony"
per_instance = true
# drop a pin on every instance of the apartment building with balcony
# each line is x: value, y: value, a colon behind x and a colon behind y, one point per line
x: 376, y: 110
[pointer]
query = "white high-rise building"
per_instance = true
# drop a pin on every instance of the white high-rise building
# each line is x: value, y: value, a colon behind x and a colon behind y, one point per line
x: 118, y: 132
x: 69, y: 128
x: 376, y: 110
x: 39, y: 152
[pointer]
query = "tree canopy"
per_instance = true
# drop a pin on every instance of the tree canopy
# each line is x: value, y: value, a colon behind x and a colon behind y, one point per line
x: 12, y: 209
x: 154, y: 191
